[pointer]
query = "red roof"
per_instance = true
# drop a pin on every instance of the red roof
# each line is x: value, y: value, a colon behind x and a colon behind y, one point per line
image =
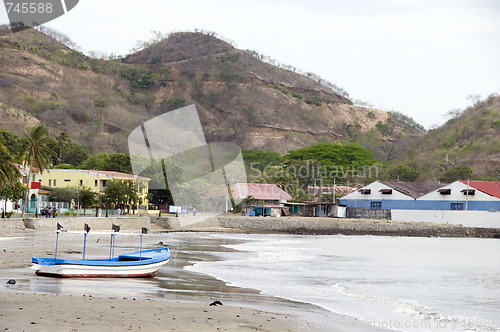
x: 488, y: 187
x: 20, y: 167
x: 264, y: 191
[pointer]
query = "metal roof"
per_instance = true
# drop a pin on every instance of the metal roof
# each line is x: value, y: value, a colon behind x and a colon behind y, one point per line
x: 413, y: 189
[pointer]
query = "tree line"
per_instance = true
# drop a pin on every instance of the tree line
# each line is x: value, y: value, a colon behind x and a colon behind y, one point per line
x: 39, y: 150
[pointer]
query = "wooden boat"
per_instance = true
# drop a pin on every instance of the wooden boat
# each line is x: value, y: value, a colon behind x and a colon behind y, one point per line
x: 144, y: 264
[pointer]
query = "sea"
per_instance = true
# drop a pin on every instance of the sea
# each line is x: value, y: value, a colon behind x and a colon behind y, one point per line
x: 395, y: 283
x: 384, y: 283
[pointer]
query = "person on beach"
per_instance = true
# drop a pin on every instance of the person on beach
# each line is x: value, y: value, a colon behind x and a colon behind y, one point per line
x: 194, y: 211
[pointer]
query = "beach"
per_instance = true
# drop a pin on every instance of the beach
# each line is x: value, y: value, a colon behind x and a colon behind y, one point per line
x: 174, y: 301
x: 267, y: 281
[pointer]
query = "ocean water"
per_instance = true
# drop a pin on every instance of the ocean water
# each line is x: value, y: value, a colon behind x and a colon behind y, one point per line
x: 397, y: 283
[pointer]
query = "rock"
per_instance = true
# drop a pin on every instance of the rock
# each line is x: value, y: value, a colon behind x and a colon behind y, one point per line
x: 215, y: 303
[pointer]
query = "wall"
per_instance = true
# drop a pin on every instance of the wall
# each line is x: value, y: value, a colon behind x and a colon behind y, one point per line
x: 361, y: 213
x: 74, y: 224
x: 465, y: 218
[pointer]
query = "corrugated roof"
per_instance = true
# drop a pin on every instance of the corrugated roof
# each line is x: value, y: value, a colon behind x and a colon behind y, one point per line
x: 413, y: 189
x: 265, y: 191
x: 488, y: 187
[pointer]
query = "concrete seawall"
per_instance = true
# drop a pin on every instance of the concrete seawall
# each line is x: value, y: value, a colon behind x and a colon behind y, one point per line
x: 323, y: 226
x: 72, y: 224
x: 230, y: 223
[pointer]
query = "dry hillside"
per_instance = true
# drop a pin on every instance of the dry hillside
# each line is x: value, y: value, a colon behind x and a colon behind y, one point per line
x: 240, y: 98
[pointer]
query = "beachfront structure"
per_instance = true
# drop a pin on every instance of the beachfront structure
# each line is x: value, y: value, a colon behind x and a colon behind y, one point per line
x: 262, y: 193
x: 463, y: 195
x: 266, y: 199
x: 399, y: 195
x: 93, y: 180
x: 33, y: 193
x: 388, y: 195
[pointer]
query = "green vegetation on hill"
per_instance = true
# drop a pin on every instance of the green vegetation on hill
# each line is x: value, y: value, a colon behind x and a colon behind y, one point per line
x: 470, y: 138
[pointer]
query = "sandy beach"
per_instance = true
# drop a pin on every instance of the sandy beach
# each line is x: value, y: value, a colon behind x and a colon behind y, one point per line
x: 49, y: 304
x: 50, y: 312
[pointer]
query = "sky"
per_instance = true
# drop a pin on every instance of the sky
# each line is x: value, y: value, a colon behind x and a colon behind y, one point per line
x: 418, y: 57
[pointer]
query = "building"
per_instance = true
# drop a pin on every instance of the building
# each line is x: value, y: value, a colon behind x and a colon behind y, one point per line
x: 262, y: 193
x: 93, y: 180
x: 33, y: 193
x: 399, y: 195
x: 266, y: 199
x: 389, y: 195
x: 463, y: 195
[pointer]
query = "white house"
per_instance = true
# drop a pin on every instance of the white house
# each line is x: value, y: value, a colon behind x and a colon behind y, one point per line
x: 389, y: 195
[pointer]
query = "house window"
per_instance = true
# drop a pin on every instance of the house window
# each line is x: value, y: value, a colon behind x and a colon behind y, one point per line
x: 376, y: 205
x: 25, y: 179
x: 50, y: 183
x: 67, y: 180
x: 457, y: 206
x: 386, y: 191
x: 81, y: 183
x: 54, y: 182
x: 104, y: 183
x: 33, y: 178
x: 444, y: 191
x: 365, y: 191
x: 95, y: 183
x: 468, y: 192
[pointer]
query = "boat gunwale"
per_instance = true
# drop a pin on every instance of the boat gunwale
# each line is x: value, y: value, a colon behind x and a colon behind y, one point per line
x: 128, y: 259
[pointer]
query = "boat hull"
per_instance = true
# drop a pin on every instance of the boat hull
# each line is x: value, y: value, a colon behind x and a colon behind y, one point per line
x: 89, y: 271
x: 141, y: 264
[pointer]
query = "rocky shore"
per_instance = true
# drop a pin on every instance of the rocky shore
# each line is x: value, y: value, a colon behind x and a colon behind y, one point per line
x: 322, y: 226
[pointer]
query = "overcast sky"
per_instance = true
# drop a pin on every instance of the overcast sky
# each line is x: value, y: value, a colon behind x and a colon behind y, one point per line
x: 419, y: 57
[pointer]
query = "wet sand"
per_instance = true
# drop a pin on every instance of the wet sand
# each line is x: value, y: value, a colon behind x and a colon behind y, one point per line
x: 176, y: 300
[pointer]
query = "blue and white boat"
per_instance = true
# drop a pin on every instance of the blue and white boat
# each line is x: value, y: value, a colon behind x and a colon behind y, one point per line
x: 143, y: 264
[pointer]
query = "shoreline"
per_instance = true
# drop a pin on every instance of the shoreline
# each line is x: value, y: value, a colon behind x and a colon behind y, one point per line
x: 62, y: 304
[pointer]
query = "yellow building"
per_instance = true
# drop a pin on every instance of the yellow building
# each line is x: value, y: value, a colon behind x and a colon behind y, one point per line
x: 94, y: 180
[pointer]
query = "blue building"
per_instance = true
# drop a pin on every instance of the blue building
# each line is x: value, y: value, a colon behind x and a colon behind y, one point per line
x: 399, y: 195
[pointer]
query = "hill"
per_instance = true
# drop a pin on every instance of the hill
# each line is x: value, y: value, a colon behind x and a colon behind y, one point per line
x: 240, y: 98
x: 469, y: 138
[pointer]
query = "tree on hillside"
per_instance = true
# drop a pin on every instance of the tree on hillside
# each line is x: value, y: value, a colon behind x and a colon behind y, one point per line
x: 403, y: 173
x: 96, y: 161
x: 74, y: 154
x: 119, y: 162
x: 62, y: 141
x: 334, y: 155
x: 37, y: 154
x: 456, y: 173
x: 475, y: 99
x: 10, y: 141
x: 261, y: 159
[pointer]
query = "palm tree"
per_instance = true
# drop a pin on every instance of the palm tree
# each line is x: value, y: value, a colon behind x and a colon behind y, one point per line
x: 37, y: 154
x: 8, y: 172
x: 62, y: 140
